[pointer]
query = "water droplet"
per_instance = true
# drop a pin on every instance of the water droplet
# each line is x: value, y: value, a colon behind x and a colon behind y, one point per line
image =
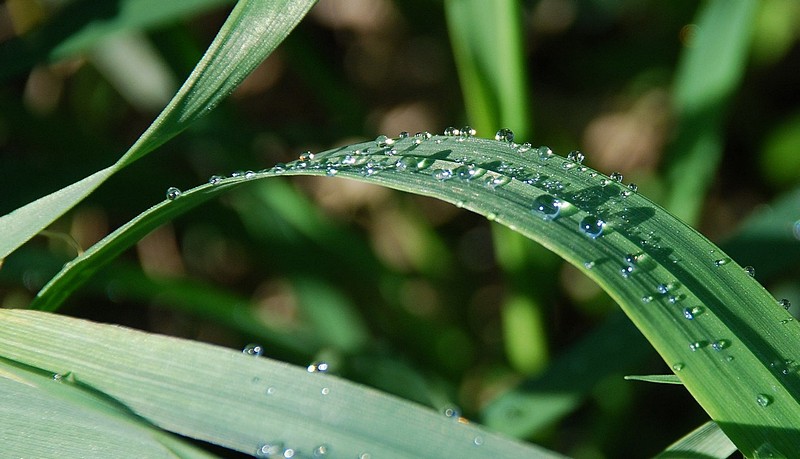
x: 270, y: 390
x: 271, y: 449
x: 720, y: 344
x: 631, y: 258
x: 626, y: 271
x: 289, y: 452
x: 253, y: 349
x: 678, y: 366
x: 786, y: 321
x: 442, y: 174
x: 214, y: 179
x: 237, y: 173
x: 497, y: 181
x: 307, y: 155
x: 691, y: 313
x: 321, y: 450
x: 524, y: 147
x: 469, y: 172
x: 751, y: 271
x: 325, y: 391
x: 330, y: 171
x: 592, y: 226
x: 662, y: 289
x: 576, y: 157
x: 647, y: 298
x: 451, y: 131
x: 697, y: 345
x: 403, y: 134
x: 544, y: 153
x: 477, y: 441
x: 365, y: 456
x: 633, y: 187
x: 785, y: 304
x: 173, y: 193
x: 721, y: 262
x: 383, y: 141
x: 318, y: 367
x: 468, y: 131
x: 616, y: 177
x: 589, y: 264
x: 452, y: 412
x: 504, y: 135
x: 763, y: 400
x: 58, y: 377
x: 674, y: 298
x: 547, y: 206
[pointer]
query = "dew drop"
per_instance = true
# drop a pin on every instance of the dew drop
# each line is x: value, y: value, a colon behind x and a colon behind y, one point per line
x: 647, y: 298
x: 678, y: 366
x: 524, y: 148
x: 589, y: 264
x: 237, y: 173
x: 631, y: 258
x: 544, y: 153
x: 751, y: 271
x: 452, y: 412
x: 308, y: 156
x: 468, y: 131
x: 697, y: 345
x: 616, y: 177
x: 763, y: 400
x: 785, y: 304
x: 321, y: 450
x: 270, y: 390
x: 576, y: 157
x: 689, y: 313
x: 626, y: 271
x: 504, y: 135
x: 173, y: 193
x: 478, y: 440
x: 365, y: 456
x: 547, y: 206
x: 633, y: 187
x: 214, y: 179
x: 662, y: 289
x: 289, y: 453
x: 592, y: 226
x: 469, y: 172
x: 442, y: 174
x: 330, y: 171
x: 58, y: 377
x: 721, y: 262
x: 253, y: 349
x: 318, y: 367
x: 403, y: 135
x: 720, y: 344
x: 785, y: 321
x: 451, y: 131
x: 269, y: 449
x: 325, y: 391
x: 497, y: 181
x: 383, y: 141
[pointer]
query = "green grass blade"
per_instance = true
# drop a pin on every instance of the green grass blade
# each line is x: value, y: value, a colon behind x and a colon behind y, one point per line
x: 41, y: 417
x: 707, y: 317
x: 660, y: 379
x: 708, y: 74
x: 251, y: 32
x: 236, y: 400
x: 705, y: 442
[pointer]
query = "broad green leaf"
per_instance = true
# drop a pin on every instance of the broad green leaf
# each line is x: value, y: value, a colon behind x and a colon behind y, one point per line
x: 238, y: 401
x: 251, y: 32
x: 708, y: 73
x: 42, y: 416
x: 706, y: 316
x: 706, y: 442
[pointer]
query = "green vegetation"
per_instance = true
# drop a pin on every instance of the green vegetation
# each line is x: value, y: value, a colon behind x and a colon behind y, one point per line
x: 419, y: 323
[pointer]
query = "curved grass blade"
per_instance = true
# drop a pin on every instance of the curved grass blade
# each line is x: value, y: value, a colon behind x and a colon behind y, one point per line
x: 660, y: 379
x: 709, y: 319
x: 238, y: 401
x: 253, y: 29
x: 42, y: 416
x: 705, y: 442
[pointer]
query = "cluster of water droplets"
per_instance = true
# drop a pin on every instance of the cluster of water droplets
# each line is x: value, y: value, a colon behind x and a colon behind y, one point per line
x: 276, y: 449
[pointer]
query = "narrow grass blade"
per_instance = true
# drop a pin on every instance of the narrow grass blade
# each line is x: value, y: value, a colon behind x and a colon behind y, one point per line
x: 705, y: 442
x: 43, y: 416
x: 708, y: 74
x: 660, y: 379
x: 706, y: 316
x: 239, y: 401
x: 252, y: 31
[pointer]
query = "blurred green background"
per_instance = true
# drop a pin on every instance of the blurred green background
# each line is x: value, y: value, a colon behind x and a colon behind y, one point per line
x: 404, y: 293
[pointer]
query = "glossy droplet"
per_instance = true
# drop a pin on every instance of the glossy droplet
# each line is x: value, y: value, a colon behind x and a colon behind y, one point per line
x: 214, y: 179
x: 576, y: 156
x: 365, y: 456
x: 452, y: 412
x: 321, y: 450
x: 58, y: 377
x: 451, y: 131
x: 497, y: 181
x: 272, y: 449
x: 253, y: 349
x: 547, y: 206
x: 589, y: 264
x: 237, y: 173
x: 751, y: 271
x: 647, y: 298
x: 720, y: 344
x: 763, y: 400
x: 678, y: 366
x: 173, y: 193
x: 631, y: 258
x: 249, y: 174
x: 626, y: 271
x: 697, y: 345
x: 330, y: 171
x: 383, y: 141
x: 544, y: 153
x: 279, y: 168
x: 785, y: 304
x: 721, y: 262
x: 592, y: 226
x: 525, y: 147
x: 289, y: 453
x: 616, y: 177
x: 318, y: 367
x: 468, y: 131
x: 504, y: 135
x: 270, y: 390
x: 469, y: 172
x: 478, y: 440
x: 691, y: 313
x: 308, y: 156
x: 662, y: 289
x: 442, y: 174
x: 325, y: 391
x: 633, y: 187
x: 403, y: 135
